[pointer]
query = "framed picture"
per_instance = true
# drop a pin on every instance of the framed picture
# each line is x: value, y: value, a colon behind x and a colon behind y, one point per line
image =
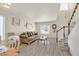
x: 28, y: 25
x: 15, y: 21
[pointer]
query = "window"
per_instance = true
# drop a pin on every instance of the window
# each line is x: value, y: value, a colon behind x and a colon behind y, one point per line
x: 63, y: 6
x: 44, y: 29
x: 2, y: 27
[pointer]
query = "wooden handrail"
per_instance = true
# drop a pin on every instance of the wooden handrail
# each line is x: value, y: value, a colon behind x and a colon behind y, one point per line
x: 69, y: 23
x: 60, y: 29
x: 73, y: 12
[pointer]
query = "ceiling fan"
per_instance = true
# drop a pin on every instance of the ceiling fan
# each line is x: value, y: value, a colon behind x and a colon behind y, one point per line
x: 6, y: 5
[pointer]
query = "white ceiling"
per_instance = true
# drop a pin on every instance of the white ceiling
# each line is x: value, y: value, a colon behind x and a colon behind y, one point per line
x: 39, y: 12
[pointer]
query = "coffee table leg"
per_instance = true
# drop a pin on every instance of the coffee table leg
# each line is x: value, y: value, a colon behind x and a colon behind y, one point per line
x: 44, y: 42
x: 37, y: 41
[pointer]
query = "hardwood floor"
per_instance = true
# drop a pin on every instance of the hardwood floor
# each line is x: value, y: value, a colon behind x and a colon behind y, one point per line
x: 50, y: 49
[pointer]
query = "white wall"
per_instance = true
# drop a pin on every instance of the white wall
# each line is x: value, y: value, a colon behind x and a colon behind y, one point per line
x: 16, y: 29
x: 5, y: 14
x: 21, y: 28
x: 61, y: 21
x: 51, y: 33
x: 73, y: 40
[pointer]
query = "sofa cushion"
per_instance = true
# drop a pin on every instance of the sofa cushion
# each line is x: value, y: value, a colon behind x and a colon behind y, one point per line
x: 23, y: 35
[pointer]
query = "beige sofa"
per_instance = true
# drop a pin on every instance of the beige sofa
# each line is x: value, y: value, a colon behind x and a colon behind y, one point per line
x: 28, y: 37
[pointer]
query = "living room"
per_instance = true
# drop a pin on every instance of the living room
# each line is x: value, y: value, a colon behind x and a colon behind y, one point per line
x: 36, y: 25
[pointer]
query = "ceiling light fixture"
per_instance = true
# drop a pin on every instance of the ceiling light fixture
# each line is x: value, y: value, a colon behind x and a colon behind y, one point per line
x: 6, y: 5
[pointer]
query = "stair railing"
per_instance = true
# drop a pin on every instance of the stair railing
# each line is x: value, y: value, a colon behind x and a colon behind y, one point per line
x: 68, y: 27
x: 69, y: 23
x: 64, y: 32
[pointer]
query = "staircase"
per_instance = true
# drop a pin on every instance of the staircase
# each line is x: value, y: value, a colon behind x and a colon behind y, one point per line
x: 63, y: 43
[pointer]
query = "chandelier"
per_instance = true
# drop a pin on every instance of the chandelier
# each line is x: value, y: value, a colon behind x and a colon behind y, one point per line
x: 6, y: 5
